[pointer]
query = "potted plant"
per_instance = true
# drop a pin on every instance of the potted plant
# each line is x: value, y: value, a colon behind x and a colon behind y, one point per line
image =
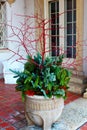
x: 43, y: 81
x: 44, y: 86
x: 42, y: 77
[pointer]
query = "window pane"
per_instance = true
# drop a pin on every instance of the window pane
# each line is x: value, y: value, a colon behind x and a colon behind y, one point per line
x: 69, y: 28
x: 57, y: 40
x: 69, y: 52
x: 74, y: 52
x: 74, y: 28
x: 74, y: 40
x: 53, y: 46
x: 53, y: 32
x: 57, y: 51
x: 69, y: 16
x: 53, y: 41
x: 69, y: 40
x: 53, y: 50
x: 74, y: 4
x: 74, y: 16
x: 69, y: 4
x: 53, y: 18
x: 52, y: 7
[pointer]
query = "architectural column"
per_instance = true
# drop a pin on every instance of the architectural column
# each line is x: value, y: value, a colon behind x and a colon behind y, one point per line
x: 79, y: 34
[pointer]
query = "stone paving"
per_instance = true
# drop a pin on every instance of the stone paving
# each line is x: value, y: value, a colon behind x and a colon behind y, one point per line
x: 55, y: 126
x: 12, y: 108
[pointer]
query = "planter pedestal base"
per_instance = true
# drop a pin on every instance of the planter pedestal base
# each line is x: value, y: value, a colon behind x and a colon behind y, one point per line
x: 43, y: 112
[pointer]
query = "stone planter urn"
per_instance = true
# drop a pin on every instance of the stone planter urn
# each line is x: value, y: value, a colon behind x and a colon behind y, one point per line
x: 43, y: 112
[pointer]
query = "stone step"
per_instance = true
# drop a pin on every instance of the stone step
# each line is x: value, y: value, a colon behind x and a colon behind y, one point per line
x: 78, y: 82
x: 78, y: 79
x: 76, y: 72
x: 77, y: 87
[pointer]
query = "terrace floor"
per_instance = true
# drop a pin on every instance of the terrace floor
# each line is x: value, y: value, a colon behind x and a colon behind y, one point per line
x: 12, y: 108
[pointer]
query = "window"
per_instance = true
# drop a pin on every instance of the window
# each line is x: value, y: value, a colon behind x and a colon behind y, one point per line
x: 2, y: 24
x: 69, y: 27
x: 54, y: 16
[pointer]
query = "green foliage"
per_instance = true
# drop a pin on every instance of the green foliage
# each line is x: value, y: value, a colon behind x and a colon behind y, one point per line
x: 59, y: 59
x: 44, y: 77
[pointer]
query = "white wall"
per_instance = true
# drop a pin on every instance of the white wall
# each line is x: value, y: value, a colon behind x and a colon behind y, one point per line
x: 29, y: 11
x: 12, y: 18
x: 85, y: 39
x: 29, y: 7
x: 20, y: 7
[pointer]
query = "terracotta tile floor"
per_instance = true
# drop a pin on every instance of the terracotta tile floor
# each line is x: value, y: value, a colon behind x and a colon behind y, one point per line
x: 12, y: 108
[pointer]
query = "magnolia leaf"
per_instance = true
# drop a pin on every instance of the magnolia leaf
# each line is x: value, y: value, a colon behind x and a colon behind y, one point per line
x: 49, y: 86
x: 28, y: 79
x: 60, y: 92
x: 52, y: 77
x: 44, y: 93
x: 37, y: 81
x: 23, y: 96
